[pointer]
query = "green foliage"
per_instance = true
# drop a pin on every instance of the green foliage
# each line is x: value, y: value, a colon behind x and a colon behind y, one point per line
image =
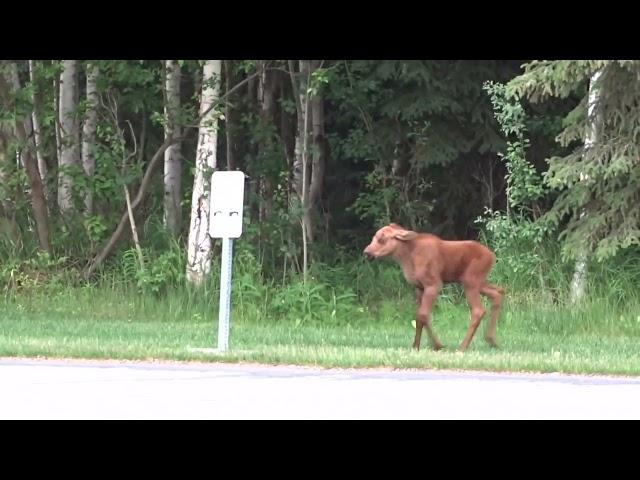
x: 312, y: 300
x: 383, y: 201
x: 37, y: 274
x: 597, y: 185
x: 413, y: 122
x: 517, y: 237
x: 524, y: 185
x: 163, y: 270
x: 136, y: 84
x: 520, y: 247
x: 408, y: 143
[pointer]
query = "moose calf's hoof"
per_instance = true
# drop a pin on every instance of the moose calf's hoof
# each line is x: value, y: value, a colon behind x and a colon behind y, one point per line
x: 492, y: 342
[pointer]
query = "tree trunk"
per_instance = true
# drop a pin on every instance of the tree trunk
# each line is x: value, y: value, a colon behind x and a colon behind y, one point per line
x: 89, y: 134
x: 594, y: 120
x: 301, y: 166
x: 38, y: 202
x: 69, y: 134
x: 267, y: 89
x: 199, y: 244
x: 299, y: 91
x: 14, y: 85
x: 318, y: 154
x: 6, y: 134
x: 56, y: 121
x: 172, y: 156
x: 35, y: 116
x: 5, y: 173
x: 287, y: 129
x: 229, y: 117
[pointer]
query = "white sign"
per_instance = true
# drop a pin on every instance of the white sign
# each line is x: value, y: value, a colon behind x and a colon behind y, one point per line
x: 227, y: 200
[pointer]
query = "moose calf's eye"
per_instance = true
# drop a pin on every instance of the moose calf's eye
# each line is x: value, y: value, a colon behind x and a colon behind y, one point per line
x: 382, y: 240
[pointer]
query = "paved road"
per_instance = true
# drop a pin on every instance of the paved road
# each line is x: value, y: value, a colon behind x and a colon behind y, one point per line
x: 38, y: 389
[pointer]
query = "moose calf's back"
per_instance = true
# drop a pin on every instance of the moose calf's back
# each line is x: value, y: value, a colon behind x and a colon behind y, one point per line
x: 461, y: 260
x: 436, y: 260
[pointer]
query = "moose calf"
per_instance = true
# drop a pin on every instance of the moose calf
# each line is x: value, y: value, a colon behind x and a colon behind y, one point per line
x: 427, y: 262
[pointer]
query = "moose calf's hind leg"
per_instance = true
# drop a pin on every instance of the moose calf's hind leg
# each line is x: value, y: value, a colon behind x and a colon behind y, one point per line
x: 477, y: 311
x: 494, y: 294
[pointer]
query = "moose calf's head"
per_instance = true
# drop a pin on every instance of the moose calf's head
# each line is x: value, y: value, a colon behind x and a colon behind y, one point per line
x: 387, y: 240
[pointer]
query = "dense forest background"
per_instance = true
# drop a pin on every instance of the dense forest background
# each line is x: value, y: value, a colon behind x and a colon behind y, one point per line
x: 105, y: 168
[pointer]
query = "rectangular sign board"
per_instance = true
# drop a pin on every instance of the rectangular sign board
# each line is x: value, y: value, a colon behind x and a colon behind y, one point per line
x: 227, y: 201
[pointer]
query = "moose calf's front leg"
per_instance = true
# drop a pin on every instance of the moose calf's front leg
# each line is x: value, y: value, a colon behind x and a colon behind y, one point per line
x: 416, y: 341
x: 423, y: 317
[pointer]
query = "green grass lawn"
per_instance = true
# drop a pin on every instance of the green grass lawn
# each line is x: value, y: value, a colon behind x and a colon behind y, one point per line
x: 88, y: 324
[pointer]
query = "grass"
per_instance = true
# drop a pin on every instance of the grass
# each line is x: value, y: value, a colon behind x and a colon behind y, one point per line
x: 95, y: 323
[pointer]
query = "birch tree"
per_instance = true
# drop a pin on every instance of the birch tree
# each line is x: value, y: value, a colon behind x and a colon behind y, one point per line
x: 37, y: 130
x: 594, y: 120
x: 89, y: 133
x: 199, y: 243
x: 307, y: 175
x: 56, y: 112
x: 598, y: 182
x: 69, y: 134
x: 172, y: 156
x: 301, y: 162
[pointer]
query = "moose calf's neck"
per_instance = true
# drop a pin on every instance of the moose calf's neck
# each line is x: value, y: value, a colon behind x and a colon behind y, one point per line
x: 420, y: 269
x: 403, y: 256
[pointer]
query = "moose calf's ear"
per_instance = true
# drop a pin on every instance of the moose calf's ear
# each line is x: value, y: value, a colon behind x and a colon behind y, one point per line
x: 396, y: 226
x: 405, y: 235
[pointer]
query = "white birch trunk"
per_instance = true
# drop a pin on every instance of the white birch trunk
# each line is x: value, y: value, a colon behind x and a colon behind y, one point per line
x: 199, y: 243
x: 172, y: 160
x: 579, y: 281
x: 89, y: 134
x: 69, y: 134
x: 37, y: 133
x: 56, y: 110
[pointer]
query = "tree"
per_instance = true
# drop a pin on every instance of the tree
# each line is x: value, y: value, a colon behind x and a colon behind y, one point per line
x: 199, y: 242
x: 578, y: 284
x: 230, y: 116
x: 69, y: 134
x: 268, y: 85
x: 598, y: 182
x: 89, y: 133
x: 172, y: 156
x: 307, y: 174
x: 38, y: 201
x: 37, y: 129
x: 319, y: 144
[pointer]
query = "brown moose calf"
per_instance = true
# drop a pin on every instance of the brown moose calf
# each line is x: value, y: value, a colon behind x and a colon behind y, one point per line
x: 427, y: 262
